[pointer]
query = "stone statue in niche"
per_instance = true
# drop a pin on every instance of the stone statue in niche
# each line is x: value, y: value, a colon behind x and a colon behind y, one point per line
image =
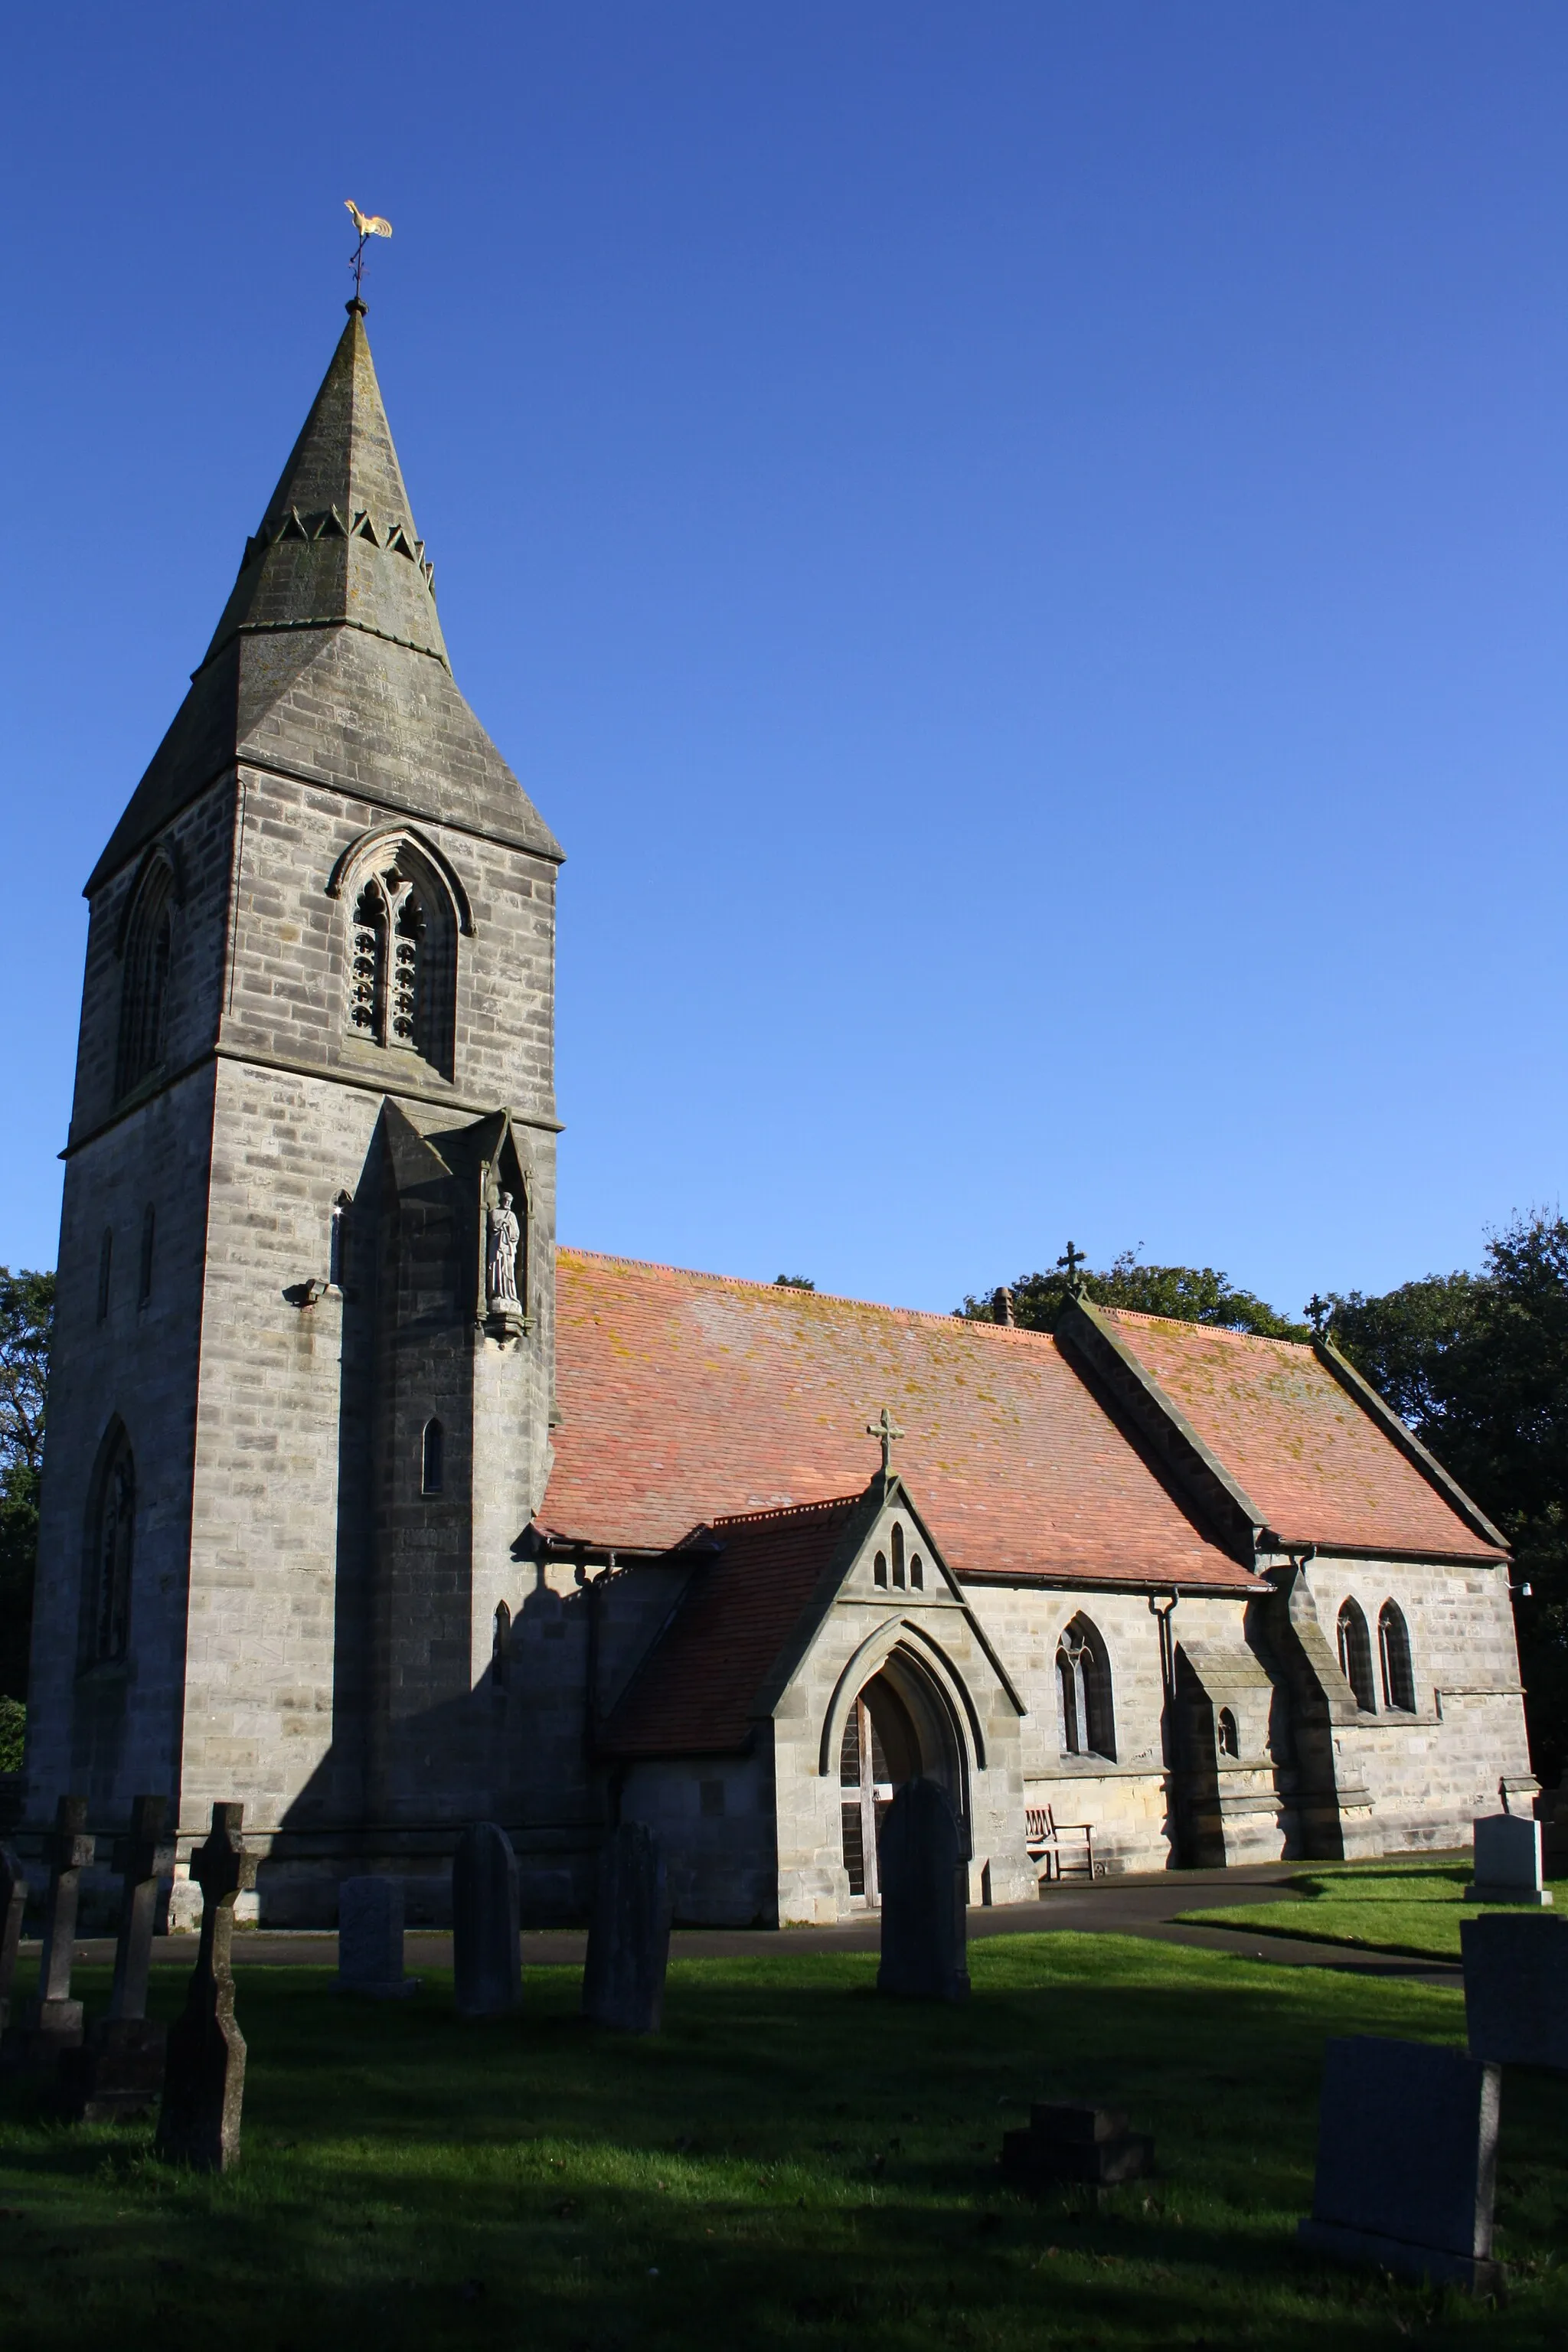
x: 500, y: 1272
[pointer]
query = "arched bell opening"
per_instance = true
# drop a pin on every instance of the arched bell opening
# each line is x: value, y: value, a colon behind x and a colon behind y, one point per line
x: 900, y: 1727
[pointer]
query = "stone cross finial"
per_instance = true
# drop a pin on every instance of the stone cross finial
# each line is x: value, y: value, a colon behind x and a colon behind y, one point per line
x: 1319, y: 1310
x: 54, y: 2020
x: 887, y: 1430
x: 1072, y: 1258
x: 203, y: 2081
x: 142, y: 1857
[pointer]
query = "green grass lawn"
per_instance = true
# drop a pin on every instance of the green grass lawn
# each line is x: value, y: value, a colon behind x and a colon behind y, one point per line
x: 1415, y: 1908
x: 793, y: 2163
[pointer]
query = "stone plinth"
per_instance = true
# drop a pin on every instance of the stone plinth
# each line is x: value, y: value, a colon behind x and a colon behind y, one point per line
x: 1064, y: 2141
x: 1508, y: 1862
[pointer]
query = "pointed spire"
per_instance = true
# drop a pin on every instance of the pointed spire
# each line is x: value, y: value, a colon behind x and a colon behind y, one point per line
x: 337, y: 544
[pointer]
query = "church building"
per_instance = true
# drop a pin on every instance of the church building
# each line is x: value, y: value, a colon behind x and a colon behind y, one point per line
x: 368, y: 1506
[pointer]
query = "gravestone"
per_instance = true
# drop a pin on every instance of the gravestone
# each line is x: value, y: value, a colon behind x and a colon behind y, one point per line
x: 370, y: 1939
x: 1406, y: 2161
x: 204, y: 2075
x: 1516, y: 1990
x: 1508, y: 1862
x: 629, y: 1937
x: 487, y: 1959
x: 921, y: 1866
x: 12, y: 1903
x: 118, y: 2070
x: 1065, y: 2141
x: 54, y: 2021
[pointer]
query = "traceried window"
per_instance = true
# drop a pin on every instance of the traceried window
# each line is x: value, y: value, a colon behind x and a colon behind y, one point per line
x: 1355, y: 1656
x: 1083, y: 1685
x: 144, y: 989
x: 1393, y: 1655
x: 403, y: 961
x: 111, y: 1528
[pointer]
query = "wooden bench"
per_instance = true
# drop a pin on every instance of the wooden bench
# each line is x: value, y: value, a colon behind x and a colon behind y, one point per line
x: 1043, y: 1835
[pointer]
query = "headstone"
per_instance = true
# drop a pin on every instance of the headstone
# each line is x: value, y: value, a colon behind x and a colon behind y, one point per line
x: 1508, y: 1862
x: 1516, y: 1990
x: 203, y: 2077
x: 1406, y: 2171
x: 370, y: 1939
x: 1067, y: 2142
x: 487, y: 1958
x: 12, y: 1903
x: 118, y: 2070
x: 54, y: 2021
x: 921, y: 1866
x: 629, y: 1937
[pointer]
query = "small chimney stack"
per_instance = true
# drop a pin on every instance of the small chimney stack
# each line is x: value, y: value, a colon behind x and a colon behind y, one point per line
x: 1002, y: 1305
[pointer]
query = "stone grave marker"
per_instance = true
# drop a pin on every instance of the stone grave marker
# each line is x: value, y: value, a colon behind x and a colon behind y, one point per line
x: 1516, y: 1990
x: 54, y: 2021
x: 487, y: 1958
x: 12, y: 1903
x: 1508, y: 1862
x: 1065, y: 2141
x: 1406, y: 2170
x: 118, y: 2070
x: 629, y: 1937
x: 921, y: 1866
x: 370, y: 1939
x: 204, y: 2075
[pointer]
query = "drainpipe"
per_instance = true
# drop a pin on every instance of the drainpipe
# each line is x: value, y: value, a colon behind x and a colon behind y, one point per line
x: 1167, y: 1669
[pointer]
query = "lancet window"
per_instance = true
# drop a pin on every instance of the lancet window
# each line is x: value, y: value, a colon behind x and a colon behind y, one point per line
x: 1394, y: 1653
x: 1355, y: 1656
x: 111, y: 1528
x: 144, y: 991
x: 402, y: 960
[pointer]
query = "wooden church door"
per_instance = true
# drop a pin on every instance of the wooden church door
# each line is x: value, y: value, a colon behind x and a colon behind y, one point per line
x: 867, y: 1791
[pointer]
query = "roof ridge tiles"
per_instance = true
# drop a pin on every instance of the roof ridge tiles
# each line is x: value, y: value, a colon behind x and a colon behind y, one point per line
x: 785, y: 1290
x: 1210, y: 1330
x: 785, y: 1511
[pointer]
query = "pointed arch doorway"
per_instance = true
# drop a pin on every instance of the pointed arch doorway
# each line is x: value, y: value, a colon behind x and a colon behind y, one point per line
x: 899, y: 1725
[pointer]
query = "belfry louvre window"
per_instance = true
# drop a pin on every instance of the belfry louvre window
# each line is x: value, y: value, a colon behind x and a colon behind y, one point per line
x: 1393, y: 1655
x: 403, y: 962
x: 144, y: 989
x: 1355, y: 1656
x: 112, y: 1526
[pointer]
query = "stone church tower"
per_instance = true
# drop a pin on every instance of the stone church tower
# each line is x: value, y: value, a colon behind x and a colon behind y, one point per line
x: 300, y: 1417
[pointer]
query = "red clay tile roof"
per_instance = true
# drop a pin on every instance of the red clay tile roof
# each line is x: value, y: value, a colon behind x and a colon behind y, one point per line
x: 1312, y: 1459
x: 689, y: 1395
x: 697, y: 1687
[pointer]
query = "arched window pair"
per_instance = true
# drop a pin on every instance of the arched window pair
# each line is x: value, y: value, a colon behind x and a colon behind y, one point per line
x: 402, y: 943
x: 908, y: 1575
x: 1393, y: 1658
x: 148, y: 952
x: 111, y: 1540
x: 1083, y: 1688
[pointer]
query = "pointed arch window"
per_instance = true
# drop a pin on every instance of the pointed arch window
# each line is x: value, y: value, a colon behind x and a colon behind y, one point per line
x: 144, y: 989
x: 1393, y: 1655
x: 432, y: 1466
x: 1355, y: 1656
x: 500, y: 1644
x: 111, y: 1538
x: 1083, y: 1685
x: 1225, y: 1731
x: 403, y: 942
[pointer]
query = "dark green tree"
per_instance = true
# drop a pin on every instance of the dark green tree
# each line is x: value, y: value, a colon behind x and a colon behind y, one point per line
x: 1189, y: 1293
x: 26, y: 1323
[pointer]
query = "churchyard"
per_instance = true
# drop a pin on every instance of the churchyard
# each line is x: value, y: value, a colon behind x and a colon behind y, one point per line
x: 791, y: 2161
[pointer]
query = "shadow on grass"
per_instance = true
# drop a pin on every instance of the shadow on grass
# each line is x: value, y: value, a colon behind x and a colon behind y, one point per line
x: 794, y: 2162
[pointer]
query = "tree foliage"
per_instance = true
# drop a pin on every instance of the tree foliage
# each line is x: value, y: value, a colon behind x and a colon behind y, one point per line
x: 27, y: 1327
x: 1189, y: 1293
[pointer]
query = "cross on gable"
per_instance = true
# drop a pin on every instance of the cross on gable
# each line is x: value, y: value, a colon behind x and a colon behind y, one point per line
x: 887, y: 1430
x: 1072, y: 1258
x: 221, y: 1867
x: 1319, y: 1310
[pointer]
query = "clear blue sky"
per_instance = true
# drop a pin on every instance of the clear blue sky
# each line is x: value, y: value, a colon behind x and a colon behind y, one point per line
x: 1021, y: 549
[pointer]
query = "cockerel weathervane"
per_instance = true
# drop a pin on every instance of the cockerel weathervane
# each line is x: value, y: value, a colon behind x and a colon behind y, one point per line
x: 369, y: 224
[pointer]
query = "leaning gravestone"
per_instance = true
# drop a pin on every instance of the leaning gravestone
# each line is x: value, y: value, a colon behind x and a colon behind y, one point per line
x: 12, y: 1903
x: 924, y: 1876
x: 1066, y: 2141
x: 370, y: 1939
x: 118, y: 2070
x: 1406, y: 2161
x: 1516, y: 1990
x: 1508, y: 1862
x: 54, y: 2021
x: 487, y: 1959
x: 629, y: 1938
x: 203, y: 2077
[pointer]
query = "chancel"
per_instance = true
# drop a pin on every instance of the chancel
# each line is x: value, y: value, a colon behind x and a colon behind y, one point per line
x: 368, y: 1509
